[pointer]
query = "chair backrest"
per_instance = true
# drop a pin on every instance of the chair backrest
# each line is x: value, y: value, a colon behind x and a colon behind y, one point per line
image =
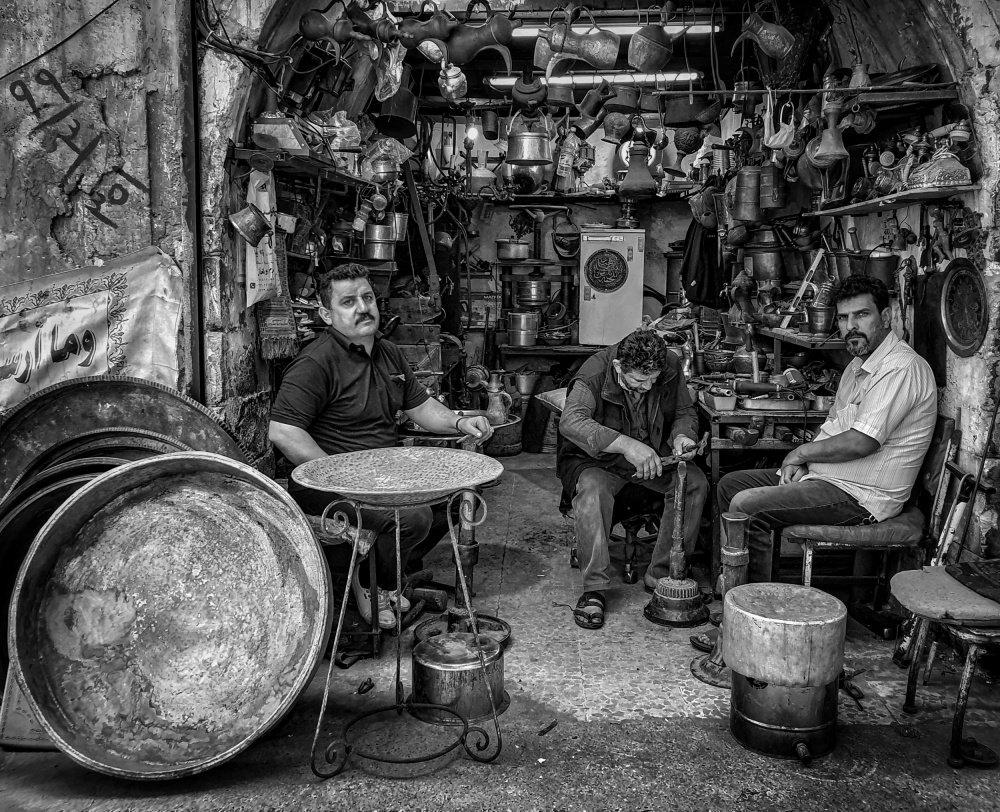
x: 930, y: 471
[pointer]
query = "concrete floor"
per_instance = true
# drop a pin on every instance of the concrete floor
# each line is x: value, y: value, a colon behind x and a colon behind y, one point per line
x: 634, y: 730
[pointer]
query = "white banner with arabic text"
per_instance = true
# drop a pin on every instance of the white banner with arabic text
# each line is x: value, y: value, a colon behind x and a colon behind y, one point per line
x: 120, y: 318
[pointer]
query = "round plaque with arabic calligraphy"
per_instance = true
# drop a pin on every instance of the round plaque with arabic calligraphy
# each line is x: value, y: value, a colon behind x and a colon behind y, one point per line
x: 606, y: 270
x: 964, y: 308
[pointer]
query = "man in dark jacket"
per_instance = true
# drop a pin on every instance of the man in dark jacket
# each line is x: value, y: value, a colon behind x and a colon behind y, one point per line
x: 627, y: 407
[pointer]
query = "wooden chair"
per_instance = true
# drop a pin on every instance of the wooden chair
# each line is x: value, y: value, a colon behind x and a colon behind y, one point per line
x: 907, y: 531
x: 934, y: 596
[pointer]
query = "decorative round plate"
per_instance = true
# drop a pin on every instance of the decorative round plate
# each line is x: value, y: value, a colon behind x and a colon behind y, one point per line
x: 606, y: 270
x: 965, y: 311
x: 396, y: 477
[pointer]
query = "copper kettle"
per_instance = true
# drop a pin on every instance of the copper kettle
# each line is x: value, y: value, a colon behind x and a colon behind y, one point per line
x: 467, y: 40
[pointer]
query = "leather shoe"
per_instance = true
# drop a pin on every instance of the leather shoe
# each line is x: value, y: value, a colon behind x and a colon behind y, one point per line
x: 363, y: 597
x: 649, y: 582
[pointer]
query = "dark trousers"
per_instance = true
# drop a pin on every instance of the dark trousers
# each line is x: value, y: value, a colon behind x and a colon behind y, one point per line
x: 594, y: 502
x: 414, y: 525
x: 771, y: 506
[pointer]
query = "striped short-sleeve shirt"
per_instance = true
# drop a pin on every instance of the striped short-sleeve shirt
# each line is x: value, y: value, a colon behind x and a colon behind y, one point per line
x: 890, y: 396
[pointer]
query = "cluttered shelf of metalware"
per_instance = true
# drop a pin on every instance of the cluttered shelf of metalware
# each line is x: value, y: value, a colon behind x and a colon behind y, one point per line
x: 303, y: 166
x: 897, y: 200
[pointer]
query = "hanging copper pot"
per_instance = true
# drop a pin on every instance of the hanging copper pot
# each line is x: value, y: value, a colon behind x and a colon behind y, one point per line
x: 626, y: 101
x: 251, y: 224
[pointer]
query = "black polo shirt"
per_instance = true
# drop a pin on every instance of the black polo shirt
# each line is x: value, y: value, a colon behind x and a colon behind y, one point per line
x: 345, y: 398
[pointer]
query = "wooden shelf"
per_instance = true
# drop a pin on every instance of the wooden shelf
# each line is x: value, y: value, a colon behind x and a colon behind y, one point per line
x: 308, y: 166
x: 538, y: 263
x: 556, y: 349
x: 807, y: 340
x: 895, y: 201
x: 674, y: 193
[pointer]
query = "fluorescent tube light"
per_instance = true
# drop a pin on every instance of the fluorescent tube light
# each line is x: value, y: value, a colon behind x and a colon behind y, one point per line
x: 594, y: 79
x: 530, y: 30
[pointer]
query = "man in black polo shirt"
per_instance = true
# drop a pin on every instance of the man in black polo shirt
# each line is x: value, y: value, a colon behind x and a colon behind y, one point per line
x: 342, y: 393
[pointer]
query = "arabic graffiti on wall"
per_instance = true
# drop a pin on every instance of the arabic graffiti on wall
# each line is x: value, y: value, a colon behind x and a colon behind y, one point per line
x: 117, y: 319
x: 64, y: 124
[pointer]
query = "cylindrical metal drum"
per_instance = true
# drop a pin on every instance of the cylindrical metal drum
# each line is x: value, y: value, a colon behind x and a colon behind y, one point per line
x: 780, y: 721
x: 746, y: 197
x: 522, y: 338
x: 523, y: 321
x: 447, y: 671
x: 785, y: 645
x: 532, y: 292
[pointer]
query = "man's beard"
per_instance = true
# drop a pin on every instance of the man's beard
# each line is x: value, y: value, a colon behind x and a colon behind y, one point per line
x: 861, y: 349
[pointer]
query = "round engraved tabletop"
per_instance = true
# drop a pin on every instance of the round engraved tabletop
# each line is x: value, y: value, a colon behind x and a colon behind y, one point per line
x: 396, y: 477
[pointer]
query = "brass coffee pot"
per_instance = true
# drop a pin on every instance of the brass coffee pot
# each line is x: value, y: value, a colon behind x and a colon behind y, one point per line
x: 651, y: 47
x: 468, y: 40
x: 597, y: 47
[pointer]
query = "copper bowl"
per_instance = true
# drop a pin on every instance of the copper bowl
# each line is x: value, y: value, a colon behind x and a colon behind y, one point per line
x: 168, y: 615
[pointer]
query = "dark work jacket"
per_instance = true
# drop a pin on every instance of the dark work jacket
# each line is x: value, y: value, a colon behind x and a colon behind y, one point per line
x: 582, y: 436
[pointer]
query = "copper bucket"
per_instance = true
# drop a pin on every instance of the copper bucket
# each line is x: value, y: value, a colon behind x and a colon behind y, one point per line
x: 251, y: 224
x: 397, y: 115
x: 746, y: 199
x: 186, y: 599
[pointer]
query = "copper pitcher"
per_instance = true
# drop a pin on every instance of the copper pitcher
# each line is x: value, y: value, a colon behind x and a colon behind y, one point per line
x: 597, y: 47
x: 651, y: 47
x: 496, y: 33
x: 774, y: 40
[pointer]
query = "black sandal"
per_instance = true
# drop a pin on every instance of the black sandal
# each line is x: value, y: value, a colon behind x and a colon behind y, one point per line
x: 589, y: 611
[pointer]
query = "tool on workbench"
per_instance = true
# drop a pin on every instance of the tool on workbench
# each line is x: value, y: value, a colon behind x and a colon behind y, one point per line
x: 677, y: 600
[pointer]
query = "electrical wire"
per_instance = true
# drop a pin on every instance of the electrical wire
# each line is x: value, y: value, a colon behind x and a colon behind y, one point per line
x: 61, y: 42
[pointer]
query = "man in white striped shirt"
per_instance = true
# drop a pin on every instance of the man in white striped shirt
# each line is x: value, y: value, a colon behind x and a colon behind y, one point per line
x: 862, y: 464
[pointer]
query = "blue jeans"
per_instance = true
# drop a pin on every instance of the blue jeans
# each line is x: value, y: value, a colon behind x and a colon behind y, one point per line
x: 414, y: 525
x: 772, y: 506
x: 594, y: 501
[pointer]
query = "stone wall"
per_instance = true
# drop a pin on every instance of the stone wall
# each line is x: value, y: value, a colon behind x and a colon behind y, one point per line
x: 92, y: 157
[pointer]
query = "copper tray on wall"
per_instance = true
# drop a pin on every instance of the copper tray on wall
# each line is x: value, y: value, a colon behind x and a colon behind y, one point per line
x: 168, y: 615
x: 70, y: 408
x: 396, y: 477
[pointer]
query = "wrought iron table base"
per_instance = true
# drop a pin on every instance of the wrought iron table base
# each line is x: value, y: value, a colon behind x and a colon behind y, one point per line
x: 336, y: 754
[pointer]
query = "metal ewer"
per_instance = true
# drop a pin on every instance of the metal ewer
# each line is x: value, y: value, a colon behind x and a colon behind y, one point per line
x: 711, y: 668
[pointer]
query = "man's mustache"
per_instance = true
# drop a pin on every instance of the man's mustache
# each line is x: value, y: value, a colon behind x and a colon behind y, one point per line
x: 364, y: 317
x: 855, y: 334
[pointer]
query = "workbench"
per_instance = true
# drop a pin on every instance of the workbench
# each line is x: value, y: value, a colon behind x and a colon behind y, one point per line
x: 718, y: 443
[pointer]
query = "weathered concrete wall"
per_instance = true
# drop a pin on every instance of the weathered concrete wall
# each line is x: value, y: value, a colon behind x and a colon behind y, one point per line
x: 92, y: 159
x: 964, y: 36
